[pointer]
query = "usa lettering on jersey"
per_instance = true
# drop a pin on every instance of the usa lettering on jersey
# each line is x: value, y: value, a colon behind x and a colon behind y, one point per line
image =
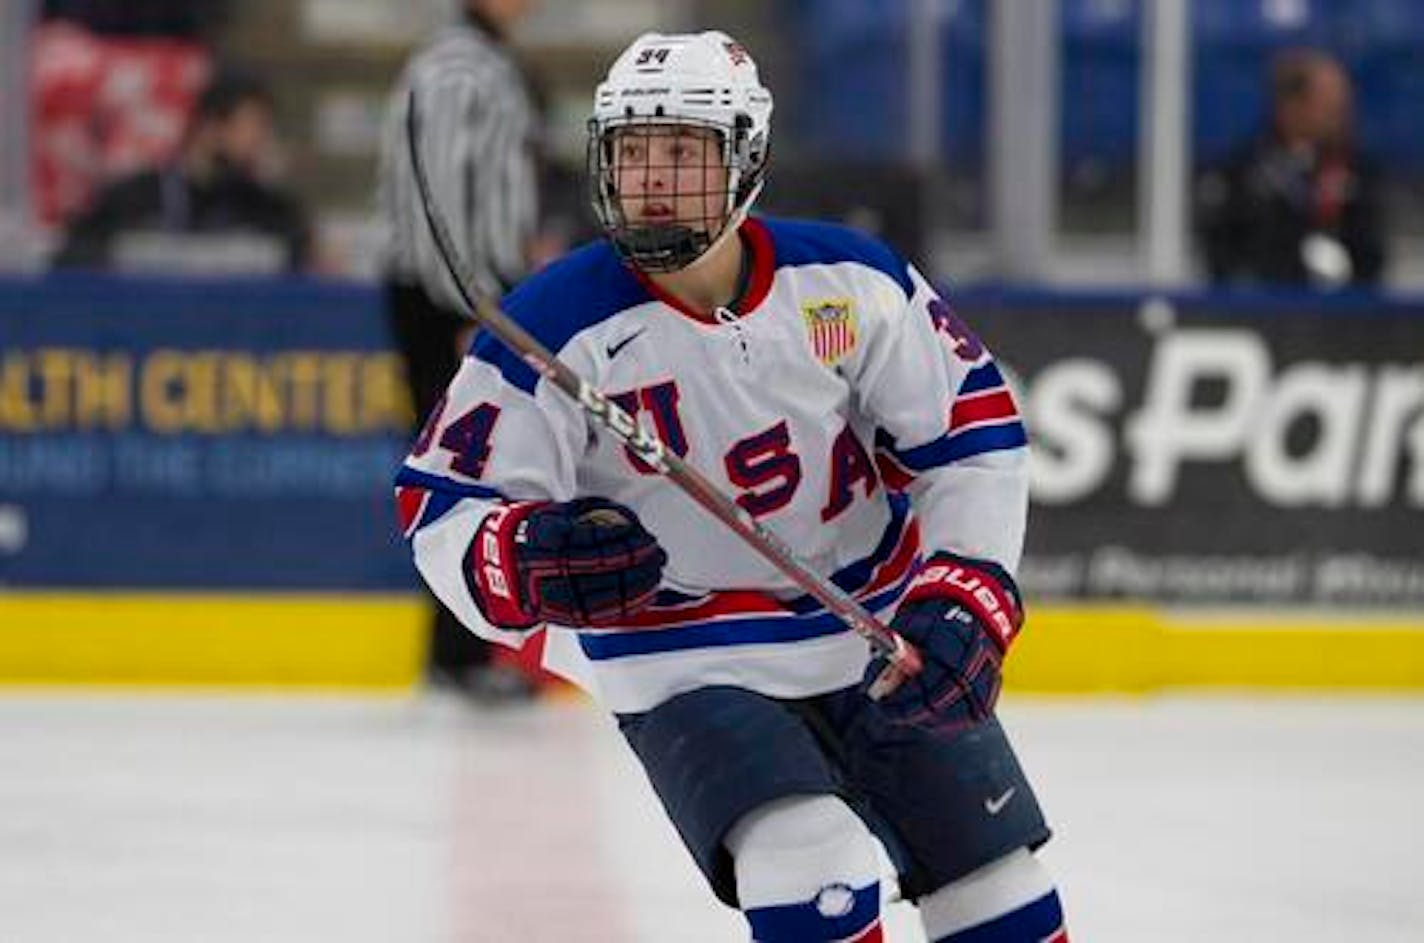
x: 843, y: 385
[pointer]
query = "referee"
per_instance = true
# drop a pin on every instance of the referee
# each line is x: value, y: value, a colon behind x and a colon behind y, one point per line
x: 479, y: 128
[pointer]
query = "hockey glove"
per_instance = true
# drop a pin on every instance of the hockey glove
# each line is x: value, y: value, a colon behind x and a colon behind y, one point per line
x: 961, y: 614
x: 585, y: 563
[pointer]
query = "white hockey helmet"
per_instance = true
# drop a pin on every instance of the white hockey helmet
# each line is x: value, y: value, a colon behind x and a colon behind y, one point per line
x: 705, y: 80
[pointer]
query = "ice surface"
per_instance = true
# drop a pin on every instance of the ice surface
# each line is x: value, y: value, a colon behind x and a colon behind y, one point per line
x: 152, y: 818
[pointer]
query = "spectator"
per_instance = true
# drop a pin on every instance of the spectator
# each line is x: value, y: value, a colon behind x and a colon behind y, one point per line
x: 480, y: 125
x: 1300, y: 205
x: 209, y: 209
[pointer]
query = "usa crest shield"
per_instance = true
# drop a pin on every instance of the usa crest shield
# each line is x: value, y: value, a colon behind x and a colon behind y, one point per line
x: 832, y: 328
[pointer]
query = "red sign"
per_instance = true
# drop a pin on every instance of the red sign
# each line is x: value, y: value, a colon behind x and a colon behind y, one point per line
x: 102, y: 108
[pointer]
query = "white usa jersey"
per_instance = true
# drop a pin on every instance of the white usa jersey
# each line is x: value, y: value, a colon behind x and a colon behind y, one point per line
x: 846, y: 407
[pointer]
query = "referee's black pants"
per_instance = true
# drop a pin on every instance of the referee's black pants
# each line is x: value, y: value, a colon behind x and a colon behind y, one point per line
x: 425, y: 332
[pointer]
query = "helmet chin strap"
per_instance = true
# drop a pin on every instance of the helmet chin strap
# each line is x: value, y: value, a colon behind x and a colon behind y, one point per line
x: 733, y: 223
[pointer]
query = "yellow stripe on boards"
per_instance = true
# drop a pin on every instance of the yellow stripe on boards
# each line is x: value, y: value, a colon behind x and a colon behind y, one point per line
x: 379, y: 642
x: 1139, y: 648
x: 303, y: 640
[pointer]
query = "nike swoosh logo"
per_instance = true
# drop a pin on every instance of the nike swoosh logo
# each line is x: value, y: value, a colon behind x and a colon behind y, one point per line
x: 995, y: 806
x: 614, y: 350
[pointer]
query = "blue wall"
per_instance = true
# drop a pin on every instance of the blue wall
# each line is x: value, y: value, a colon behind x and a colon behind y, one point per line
x: 853, y: 57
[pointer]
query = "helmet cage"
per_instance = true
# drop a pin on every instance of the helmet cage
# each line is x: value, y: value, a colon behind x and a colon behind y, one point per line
x: 668, y: 247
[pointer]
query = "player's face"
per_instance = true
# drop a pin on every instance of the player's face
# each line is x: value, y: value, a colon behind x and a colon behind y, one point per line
x: 670, y: 175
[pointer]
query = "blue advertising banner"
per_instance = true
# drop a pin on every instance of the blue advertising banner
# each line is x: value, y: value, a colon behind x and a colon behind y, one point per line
x: 195, y: 486
x: 196, y: 435
x: 181, y: 435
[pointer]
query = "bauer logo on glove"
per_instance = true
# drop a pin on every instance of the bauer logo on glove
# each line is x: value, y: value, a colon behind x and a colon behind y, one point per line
x: 962, y: 614
x: 587, y: 563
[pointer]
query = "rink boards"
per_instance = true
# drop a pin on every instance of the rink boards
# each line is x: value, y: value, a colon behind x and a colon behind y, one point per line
x: 194, y: 487
x: 378, y: 643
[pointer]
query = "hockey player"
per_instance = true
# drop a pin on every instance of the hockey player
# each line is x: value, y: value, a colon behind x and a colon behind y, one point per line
x: 819, y: 379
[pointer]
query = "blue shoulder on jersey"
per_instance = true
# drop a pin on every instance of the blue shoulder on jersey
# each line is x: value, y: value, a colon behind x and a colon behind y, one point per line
x: 802, y: 242
x: 581, y: 289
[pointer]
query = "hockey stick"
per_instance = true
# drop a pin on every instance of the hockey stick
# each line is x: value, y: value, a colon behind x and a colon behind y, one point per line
x: 904, y: 660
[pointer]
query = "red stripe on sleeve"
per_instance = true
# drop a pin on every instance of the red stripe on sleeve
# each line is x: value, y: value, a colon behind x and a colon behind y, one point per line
x: 983, y: 408
x: 410, y: 503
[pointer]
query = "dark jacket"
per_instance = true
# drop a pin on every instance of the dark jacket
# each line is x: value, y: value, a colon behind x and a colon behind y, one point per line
x: 167, y: 201
x: 1264, y: 215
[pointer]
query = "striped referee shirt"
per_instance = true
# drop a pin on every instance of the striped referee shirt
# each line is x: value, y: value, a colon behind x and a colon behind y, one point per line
x: 478, y: 144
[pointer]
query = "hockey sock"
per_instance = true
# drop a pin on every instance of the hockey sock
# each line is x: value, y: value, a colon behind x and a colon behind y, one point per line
x: 807, y: 872
x: 1012, y: 900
